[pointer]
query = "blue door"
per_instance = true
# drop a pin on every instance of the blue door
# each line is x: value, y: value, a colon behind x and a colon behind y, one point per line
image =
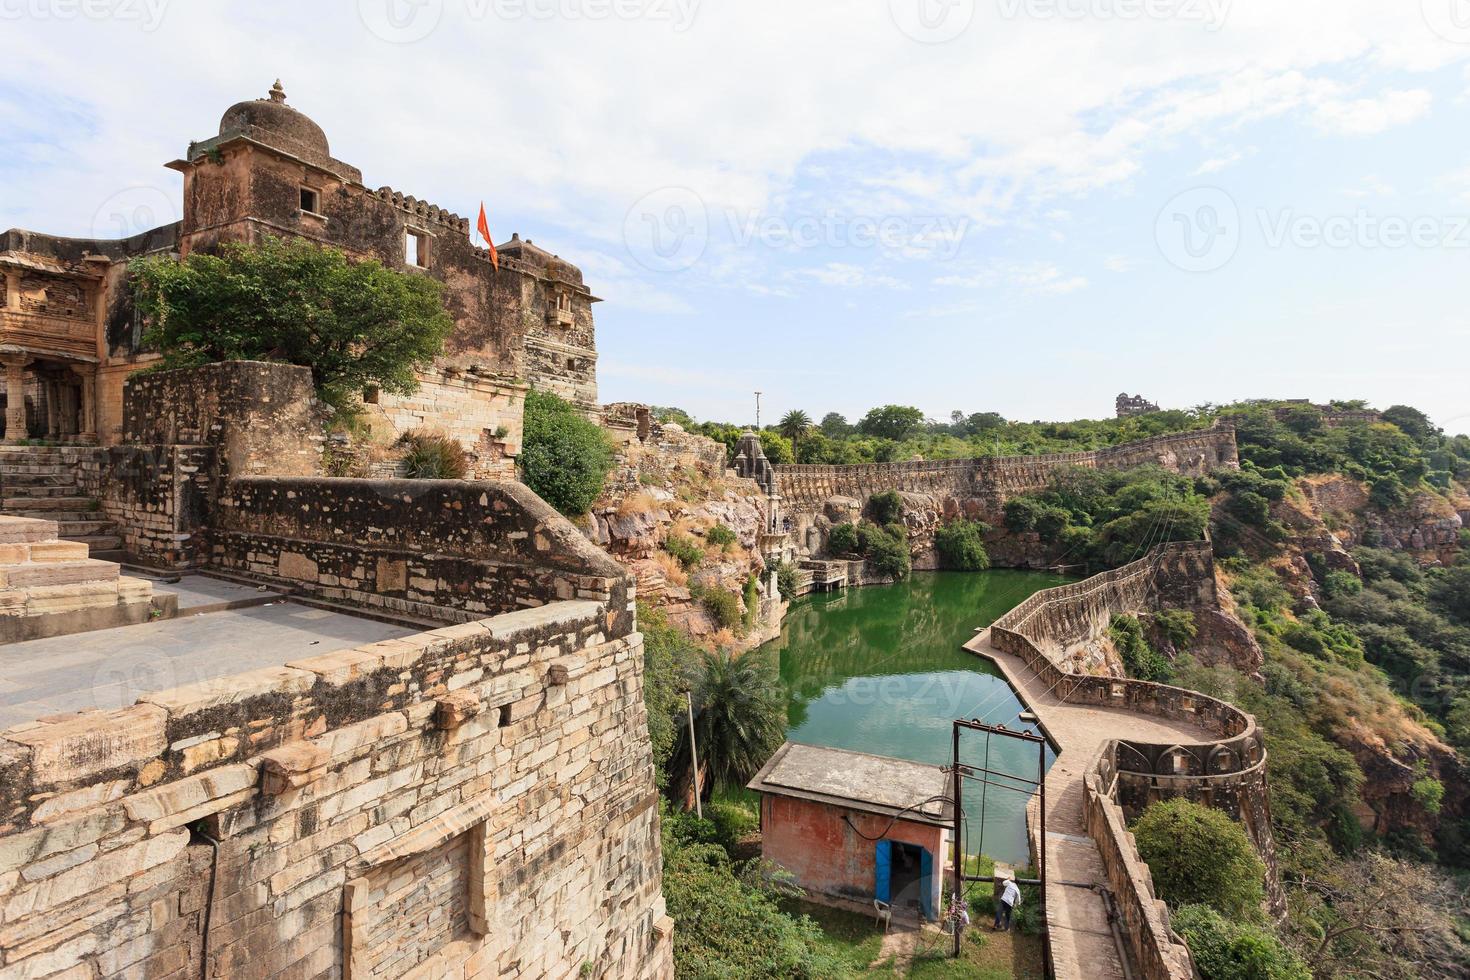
x: 882, y: 877
x: 926, y: 883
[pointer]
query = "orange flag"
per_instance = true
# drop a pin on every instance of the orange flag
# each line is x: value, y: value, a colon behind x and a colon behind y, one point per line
x: 484, y: 228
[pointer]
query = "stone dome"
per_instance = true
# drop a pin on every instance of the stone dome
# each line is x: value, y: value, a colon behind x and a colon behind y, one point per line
x: 274, y: 123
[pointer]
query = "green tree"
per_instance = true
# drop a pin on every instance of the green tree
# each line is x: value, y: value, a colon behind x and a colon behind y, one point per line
x: 891, y: 422
x: 741, y: 714
x: 564, y: 457
x: 793, y: 425
x: 1198, y: 855
x: 843, y: 539
x: 835, y: 426
x: 1229, y: 950
x: 355, y: 324
x: 777, y: 447
x: 961, y: 545
x: 668, y: 653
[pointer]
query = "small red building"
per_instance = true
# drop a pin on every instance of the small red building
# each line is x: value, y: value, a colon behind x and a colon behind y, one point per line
x: 853, y: 826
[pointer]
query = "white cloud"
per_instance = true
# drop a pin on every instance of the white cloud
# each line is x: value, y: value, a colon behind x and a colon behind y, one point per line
x: 1368, y: 117
x: 1031, y: 277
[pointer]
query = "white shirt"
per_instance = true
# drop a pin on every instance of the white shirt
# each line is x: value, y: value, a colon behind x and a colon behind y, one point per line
x: 1010, y: 894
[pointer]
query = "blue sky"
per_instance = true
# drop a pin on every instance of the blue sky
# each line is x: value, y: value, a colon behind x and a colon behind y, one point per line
x: 1022, y: 206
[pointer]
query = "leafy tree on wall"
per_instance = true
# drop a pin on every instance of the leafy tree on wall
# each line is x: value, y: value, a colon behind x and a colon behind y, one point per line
x: 354, y: 324
x: 1198, y: 855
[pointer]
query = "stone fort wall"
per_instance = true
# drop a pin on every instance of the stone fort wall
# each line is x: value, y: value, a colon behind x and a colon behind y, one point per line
x: 980, y: 487
x: 1228, y: 772
x: 474, y: 800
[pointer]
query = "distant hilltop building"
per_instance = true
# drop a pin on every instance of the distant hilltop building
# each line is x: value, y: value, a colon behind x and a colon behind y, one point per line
x: 1128, y: 405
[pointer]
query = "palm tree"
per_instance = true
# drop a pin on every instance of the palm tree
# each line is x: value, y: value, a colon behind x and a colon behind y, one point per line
x: 741, y: 714
x: 793, y: 425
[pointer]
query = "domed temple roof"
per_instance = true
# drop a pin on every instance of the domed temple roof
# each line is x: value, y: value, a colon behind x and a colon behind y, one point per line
x: 271, y: 122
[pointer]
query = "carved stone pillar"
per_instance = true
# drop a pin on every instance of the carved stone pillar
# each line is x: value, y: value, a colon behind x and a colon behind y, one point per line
x: 51, y: 391
x: 12, y: 290
x: 88, y: 420
x: 15, y: 397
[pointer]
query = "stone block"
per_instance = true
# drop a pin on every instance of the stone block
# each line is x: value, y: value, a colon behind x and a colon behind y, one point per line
x: 454, y: 709
x: 183, y: 800
x: 93, y: 743
x: 291, y: 766
x: 234, y: 689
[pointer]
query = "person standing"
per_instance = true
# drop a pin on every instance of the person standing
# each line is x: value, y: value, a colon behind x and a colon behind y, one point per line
x: 1010, y: 895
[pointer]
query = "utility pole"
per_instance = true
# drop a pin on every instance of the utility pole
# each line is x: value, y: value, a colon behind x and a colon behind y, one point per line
x: 757, y: 412
x: 694, y: 757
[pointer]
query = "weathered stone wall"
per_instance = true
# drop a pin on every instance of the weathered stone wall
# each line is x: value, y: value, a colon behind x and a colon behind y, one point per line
x: 426, y: 547
x: 979, y: 488
x: 159, y: 498
x: 1228, y: 772
x: 484, y: 415
x: 260, y: 417
x: 517, y: 742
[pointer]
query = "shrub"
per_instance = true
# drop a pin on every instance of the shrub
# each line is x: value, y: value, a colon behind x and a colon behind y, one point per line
x: 752, y: 597
x: 961, y: 545
x: 843, y: 539
x: 886, y: 549
x: 724, y: 606
x: 564, y: 457
x: 432, y: 456
x: 886, y: 507
x: 354, y: 324
x: 786, y: 580
x: 685, y: 549
x: 1227, y: 950
x: 719, y: 536
x: 1200, y: 856
x: 1139, y: 659
x: 1177, y: 626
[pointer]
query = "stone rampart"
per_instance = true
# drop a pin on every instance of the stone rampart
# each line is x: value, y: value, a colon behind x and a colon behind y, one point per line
x: 992, y: 480
x: 447, y: 549
x: 271, y: 824
x: 1227, y: 772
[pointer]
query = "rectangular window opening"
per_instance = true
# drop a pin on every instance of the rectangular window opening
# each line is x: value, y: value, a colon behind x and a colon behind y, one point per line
x: 416, y: 249
x: 310, y: 201
x: 504, y: 716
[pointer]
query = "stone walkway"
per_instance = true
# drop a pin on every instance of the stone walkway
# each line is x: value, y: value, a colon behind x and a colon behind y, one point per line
x: 1080, y: 940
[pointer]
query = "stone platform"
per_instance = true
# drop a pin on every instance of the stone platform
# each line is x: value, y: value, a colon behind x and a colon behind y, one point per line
x: 50, y: 587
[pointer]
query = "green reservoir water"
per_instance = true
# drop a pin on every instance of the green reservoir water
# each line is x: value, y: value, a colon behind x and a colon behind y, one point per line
x: 879, y: 669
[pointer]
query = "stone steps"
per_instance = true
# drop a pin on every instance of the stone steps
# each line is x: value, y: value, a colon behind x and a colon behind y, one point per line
x: 41, y: 482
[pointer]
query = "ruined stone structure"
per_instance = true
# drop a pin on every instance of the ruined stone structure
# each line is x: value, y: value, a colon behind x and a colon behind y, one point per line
x: 1226, y: 768
x: 475, y: 799
x: 979, y: 488
x: 69, y: 336
x: 1126, y: 405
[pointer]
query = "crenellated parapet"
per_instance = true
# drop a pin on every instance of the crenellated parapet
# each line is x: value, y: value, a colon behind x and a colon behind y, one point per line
x: 1225, y: 770
x: 991, y: 480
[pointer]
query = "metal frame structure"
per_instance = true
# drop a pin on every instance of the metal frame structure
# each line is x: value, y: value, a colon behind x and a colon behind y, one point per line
x: 986, y: 777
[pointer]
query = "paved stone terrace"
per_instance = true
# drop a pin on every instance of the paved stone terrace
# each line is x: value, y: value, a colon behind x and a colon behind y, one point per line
x: 1077, y: 923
